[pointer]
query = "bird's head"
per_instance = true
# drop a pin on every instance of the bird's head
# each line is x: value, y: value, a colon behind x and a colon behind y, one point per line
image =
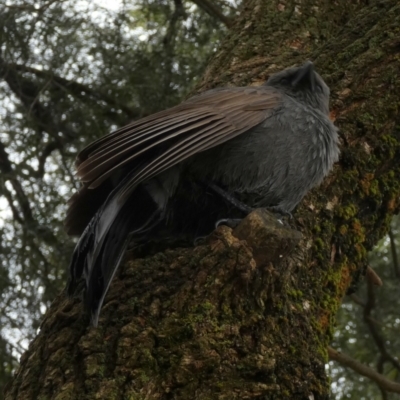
x: 304, y: 84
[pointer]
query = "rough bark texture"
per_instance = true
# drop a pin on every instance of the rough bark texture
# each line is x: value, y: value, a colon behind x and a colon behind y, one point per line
x: 248, y: 314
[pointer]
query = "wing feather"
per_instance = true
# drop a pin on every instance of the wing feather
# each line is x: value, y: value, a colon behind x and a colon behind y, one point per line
x: 147, y: 130
x: 177, y: 153
x: 136, y: 131
x: 96, y: 165
x: 108, y: 171
x: 171, y: 136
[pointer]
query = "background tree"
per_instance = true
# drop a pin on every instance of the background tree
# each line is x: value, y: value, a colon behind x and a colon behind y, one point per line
x: 368, y: 326
x: 72, y: 74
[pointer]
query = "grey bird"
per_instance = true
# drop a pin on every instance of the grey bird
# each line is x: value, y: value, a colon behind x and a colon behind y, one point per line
x: 217, y: 155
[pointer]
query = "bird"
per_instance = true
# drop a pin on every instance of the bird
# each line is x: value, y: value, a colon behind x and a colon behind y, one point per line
x: 214, y: 157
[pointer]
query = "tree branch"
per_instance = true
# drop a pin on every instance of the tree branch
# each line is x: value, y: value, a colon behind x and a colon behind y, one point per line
x: 74, y: 87
x: 7, y: 172
x: 214, y: 11
x: 169, y: 44
x: 394, y: 254
x: 27, y: 220
x: 373, y: 277
x: 378, y: 339
x: 379, y: 366
x: 357, y: 300
x: 48, y: 149
x: 364, y: 370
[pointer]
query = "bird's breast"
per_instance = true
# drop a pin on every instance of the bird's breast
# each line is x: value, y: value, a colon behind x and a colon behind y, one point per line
x: 281, y: 158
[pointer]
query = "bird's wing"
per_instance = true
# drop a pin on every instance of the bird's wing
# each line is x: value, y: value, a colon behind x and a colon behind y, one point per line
x: 156, y: 143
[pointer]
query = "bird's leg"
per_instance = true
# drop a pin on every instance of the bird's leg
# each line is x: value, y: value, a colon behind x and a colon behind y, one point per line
x: 231, y: 199
x: 231, y: 222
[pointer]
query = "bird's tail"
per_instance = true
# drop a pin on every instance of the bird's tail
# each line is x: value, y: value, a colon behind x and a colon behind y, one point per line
x: 103, y: 243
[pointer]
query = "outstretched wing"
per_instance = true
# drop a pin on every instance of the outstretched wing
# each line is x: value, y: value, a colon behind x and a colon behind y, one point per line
x: 169, y: 137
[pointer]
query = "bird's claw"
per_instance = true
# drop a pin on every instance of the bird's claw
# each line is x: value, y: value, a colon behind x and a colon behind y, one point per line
x: 231, y: 222
x: 199, y: 240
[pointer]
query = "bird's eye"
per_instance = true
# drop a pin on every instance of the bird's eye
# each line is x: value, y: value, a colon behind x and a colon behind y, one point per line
x: 285, y: 81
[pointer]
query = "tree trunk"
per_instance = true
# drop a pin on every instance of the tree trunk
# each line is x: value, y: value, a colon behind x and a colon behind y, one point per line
x: 249, y: 313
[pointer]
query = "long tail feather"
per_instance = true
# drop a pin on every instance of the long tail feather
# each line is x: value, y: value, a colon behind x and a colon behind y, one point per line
x: 103, y: 243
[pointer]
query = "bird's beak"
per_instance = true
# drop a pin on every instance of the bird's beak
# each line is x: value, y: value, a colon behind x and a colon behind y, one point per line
x: 305, y: 75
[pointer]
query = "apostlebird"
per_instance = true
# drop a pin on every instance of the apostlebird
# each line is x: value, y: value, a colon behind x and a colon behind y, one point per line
x: 215, y: 156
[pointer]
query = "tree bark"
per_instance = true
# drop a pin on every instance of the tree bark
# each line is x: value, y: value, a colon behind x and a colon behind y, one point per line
x: 249, y: 314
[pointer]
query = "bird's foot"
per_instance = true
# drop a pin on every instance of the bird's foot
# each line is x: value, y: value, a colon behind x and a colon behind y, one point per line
x: 280, y: 211
x: 231, y: 222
